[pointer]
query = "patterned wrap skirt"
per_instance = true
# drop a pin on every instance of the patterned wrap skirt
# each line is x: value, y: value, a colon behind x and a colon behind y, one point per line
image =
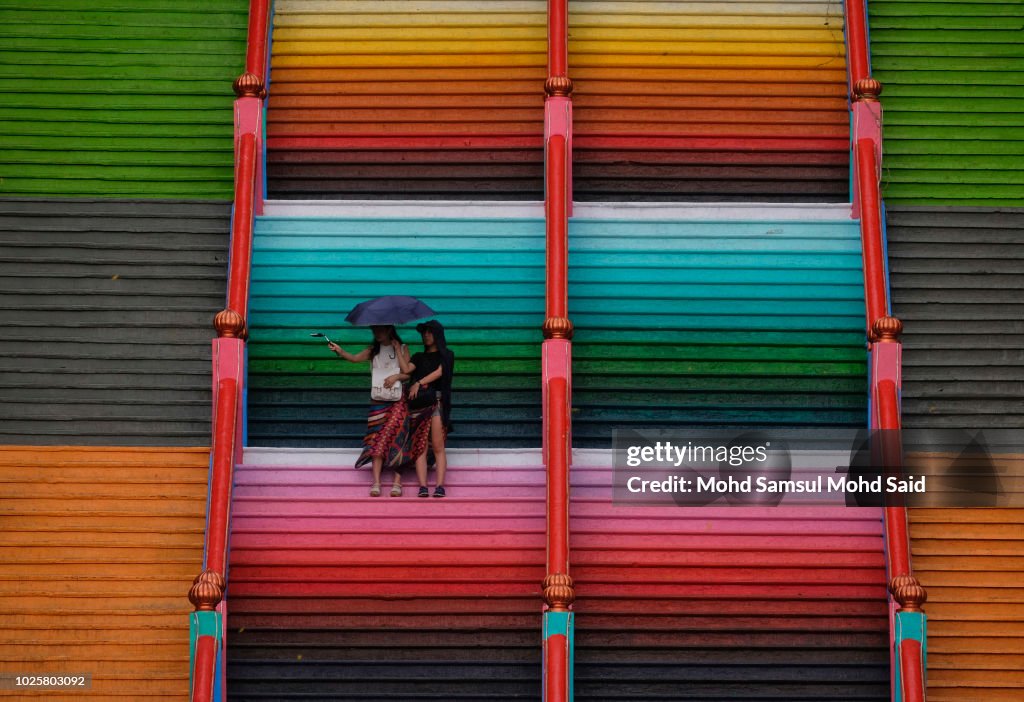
x: 395, y: 433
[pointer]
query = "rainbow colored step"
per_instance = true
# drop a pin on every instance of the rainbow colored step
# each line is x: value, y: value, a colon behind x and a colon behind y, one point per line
x: 443, y: 100
x: 354, y: 597
x: 709, y: 101
x: 695, y: 321
x: 723, y: 603
x: 728, y: 316
x: 332, y: 591
x: 435, y: 99
x: 483, y: 276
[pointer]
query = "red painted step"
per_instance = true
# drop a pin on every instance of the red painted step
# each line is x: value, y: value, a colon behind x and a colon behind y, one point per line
x: 317, y: 566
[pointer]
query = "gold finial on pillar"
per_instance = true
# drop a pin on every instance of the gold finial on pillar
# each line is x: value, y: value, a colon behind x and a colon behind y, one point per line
x: 559, y: 592
x: 557, y: 328
x: 886, y: 330
x: 249, y: 85
x: 908, y: 591
x: 867, y: 89
x: 558, y: 86
x: 207, y: 590
x: 230, y: 324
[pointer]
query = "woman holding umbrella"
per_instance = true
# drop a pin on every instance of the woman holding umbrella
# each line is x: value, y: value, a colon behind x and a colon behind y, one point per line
x: 395, y: 436
x: 386, y: 442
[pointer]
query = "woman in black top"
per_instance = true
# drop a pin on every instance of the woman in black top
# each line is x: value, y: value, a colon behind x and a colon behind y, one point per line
x: 431, y: 373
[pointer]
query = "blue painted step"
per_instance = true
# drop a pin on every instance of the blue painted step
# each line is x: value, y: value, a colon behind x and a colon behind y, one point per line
x: 484, y: 277
x: 678, y: 323
x: 683, y: 324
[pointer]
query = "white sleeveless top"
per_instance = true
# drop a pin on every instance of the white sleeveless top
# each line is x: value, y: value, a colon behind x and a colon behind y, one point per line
x: 385, y: 364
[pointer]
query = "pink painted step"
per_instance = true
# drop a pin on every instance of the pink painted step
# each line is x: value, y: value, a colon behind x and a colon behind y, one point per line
x: 483, y: 492
x: 333, y: 482
x: 310, y: 548
x: 668, y: 578
x: 346, y: 475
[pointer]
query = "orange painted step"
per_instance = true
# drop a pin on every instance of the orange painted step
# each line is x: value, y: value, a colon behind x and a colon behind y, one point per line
x: 98, y: 548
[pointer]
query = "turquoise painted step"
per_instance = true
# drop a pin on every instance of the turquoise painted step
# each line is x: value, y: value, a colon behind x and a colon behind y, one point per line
x: 742, y: 324
x: 677, y: 323
x: 295, y: 323
x: 484, y: 277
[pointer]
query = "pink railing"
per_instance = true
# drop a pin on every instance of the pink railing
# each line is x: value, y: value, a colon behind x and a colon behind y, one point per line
x: 908, y: 622
x: 556, y: 360
x: 207, y: 593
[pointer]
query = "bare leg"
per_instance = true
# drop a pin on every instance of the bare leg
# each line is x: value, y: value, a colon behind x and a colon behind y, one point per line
x: 421, y: 469
x: 378, y: 464
x: 437, y: 442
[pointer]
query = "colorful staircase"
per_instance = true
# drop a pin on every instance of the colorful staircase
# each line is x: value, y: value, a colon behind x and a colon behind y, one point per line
x: 742, y: 321
x: 725, y: 603
x: 719, y: 317
x: 709, y: 101
x: 397, y: 100
x: 334, y: 595
x: 716, y: 318
x: 736, y: 317
x: 337, y: 595
x: 483, y: 276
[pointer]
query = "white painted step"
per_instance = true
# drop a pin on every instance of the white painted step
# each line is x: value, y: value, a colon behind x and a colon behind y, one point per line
x: 427, y: 209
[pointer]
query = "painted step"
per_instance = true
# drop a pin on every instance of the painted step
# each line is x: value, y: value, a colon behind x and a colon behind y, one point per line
x: 399, y: 111
x: 88, y: 531
x: 484, y: 277
x: 694, y: 602
x: 686, y: 323
x: 745, y: 321
x: 703, y: 127
x: 329, y: 586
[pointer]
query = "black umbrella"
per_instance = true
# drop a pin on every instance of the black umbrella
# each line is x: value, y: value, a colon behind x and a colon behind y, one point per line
x: 390, y: 309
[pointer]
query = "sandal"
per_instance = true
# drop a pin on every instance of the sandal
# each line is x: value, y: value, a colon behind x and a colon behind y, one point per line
x: 424, y: 491
x: 375, y: 490
x: 396, y: 490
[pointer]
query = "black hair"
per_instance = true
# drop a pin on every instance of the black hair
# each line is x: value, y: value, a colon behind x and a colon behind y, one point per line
x: 447, y: 367
x: 376, y: 345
